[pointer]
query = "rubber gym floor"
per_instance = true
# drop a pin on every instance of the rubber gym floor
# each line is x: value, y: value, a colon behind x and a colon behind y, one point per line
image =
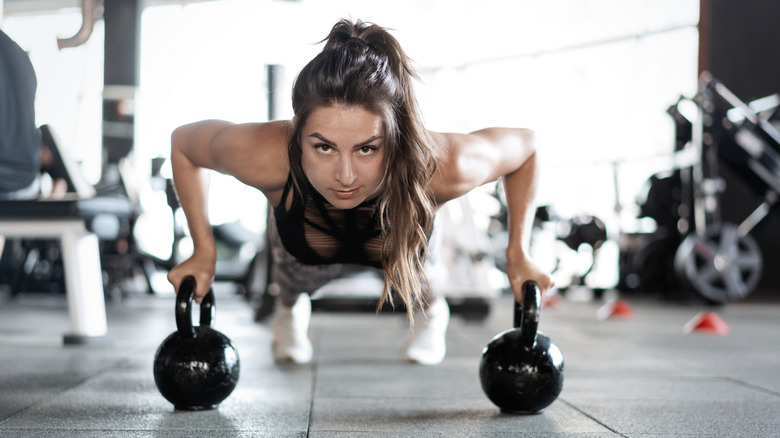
x: 636, y: 376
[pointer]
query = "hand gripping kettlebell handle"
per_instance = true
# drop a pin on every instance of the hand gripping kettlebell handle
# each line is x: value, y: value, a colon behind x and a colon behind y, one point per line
x: 184, y: 308
x: 527, y: 313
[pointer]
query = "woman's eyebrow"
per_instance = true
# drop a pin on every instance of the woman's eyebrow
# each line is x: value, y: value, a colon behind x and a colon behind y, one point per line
x: 365, y: 143
x: 322, y: 138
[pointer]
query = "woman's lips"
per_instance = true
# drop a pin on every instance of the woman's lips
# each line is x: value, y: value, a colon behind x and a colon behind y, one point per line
x: 345, y: 194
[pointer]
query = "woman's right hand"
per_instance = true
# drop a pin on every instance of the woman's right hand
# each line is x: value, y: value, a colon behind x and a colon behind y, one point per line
x: 201, y: 268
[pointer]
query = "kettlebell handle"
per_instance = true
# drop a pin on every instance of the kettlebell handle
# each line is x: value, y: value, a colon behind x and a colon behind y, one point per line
x: 527, y: 313
x: 184, y: 308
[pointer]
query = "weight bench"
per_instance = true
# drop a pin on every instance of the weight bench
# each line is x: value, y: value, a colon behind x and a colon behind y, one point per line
x: 78, y: 224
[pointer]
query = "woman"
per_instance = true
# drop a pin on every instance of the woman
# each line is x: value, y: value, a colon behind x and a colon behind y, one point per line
x: 354, y: 178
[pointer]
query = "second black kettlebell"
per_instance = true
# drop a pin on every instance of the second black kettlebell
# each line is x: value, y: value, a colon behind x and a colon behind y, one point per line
x: 521, y: 370
x: 195, y: 368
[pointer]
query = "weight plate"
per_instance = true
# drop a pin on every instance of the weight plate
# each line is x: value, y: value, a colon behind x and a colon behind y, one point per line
x: 721, y: 265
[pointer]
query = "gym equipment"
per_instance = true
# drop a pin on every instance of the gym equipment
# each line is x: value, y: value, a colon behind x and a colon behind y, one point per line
x: 77, y: 224
x: 577, y: 244
x: 647, y: 259
x: 521, y: 370
x: 721, y: 264
x: 195, y: 368
x: 584, y: 230
x: 718, y: 259
x: 36, y: 262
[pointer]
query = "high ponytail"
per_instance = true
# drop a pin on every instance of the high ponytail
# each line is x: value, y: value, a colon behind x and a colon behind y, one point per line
x: 378, y: 40
x: 363, y: 65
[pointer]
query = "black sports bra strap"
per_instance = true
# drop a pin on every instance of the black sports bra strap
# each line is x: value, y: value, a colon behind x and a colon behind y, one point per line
x: 286, y: 191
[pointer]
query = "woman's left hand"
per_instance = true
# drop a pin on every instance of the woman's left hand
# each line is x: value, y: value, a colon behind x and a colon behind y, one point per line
x: 521, y: 269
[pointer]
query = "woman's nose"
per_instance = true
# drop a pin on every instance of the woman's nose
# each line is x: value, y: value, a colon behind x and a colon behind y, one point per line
x: 345, y: 173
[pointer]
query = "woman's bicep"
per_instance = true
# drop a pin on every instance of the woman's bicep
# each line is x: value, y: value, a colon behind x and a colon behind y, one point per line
x: 253, y: 153
x: 507, y: 149
x: 467, y: 161
x: 194, y: 142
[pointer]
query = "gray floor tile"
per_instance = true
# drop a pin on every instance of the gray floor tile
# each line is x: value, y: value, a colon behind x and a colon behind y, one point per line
x: 640, y: 377
x: 455, y: 379
x: 129, y: 401
x: 452, y: 434
x: 22, y: 391
x: 441, y: 417
x: 155, y: 433
x: 671, y: 418
x: 693, y: 390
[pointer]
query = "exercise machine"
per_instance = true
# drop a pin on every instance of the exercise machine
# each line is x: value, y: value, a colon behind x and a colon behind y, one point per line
x: 719, y: 260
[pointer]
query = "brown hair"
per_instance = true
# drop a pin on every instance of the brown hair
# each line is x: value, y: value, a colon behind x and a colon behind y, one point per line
x: 363, y: 65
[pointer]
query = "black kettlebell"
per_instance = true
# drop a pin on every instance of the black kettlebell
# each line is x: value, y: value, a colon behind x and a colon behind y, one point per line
x: 195, y: 368
x: 521, y: 369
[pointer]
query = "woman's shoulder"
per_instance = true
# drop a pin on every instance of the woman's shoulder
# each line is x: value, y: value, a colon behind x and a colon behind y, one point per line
x: 268, y: 134
x: 455, y: 165
x: 466, y: 161
x: 255, y: 154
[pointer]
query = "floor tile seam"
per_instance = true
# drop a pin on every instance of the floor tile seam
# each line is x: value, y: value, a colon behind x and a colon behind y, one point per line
x: 702, y: 368
x: 312, y: 392
x: 591, y: 417
x: 533, y: 434
x: 750, y: 386
x: 106, y: 370
x: 396, y: 397
x: 649, y: 377
x: 49, y: 397
x: 395, y: 432
x: 386, y: 363
x: 150, y: 429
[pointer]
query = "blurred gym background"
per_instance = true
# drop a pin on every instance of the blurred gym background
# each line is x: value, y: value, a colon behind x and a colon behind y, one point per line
x: 594, y: 78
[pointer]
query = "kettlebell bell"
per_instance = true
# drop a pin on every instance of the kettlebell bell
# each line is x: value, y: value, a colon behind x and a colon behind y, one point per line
x: 195, y: 368
x: 521, y: 370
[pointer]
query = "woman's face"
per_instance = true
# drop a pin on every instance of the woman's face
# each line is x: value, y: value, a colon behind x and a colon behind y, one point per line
x: 343, y: 154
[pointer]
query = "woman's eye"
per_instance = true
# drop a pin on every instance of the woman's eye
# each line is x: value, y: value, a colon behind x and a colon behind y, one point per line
x: 323, y: 147
x: 366, y: 150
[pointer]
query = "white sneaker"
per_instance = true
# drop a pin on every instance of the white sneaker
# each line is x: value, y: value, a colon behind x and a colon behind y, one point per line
x: 426, y: 345
x: 291, y: 331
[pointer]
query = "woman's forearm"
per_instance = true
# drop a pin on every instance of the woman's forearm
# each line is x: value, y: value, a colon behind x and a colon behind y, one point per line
x: 191, y: 182
x: 520, y: 187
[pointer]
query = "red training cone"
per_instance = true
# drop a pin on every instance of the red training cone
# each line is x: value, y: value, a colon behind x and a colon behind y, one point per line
x: 615, y: 309
x: 708, y: 322
x: 551, y: 301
